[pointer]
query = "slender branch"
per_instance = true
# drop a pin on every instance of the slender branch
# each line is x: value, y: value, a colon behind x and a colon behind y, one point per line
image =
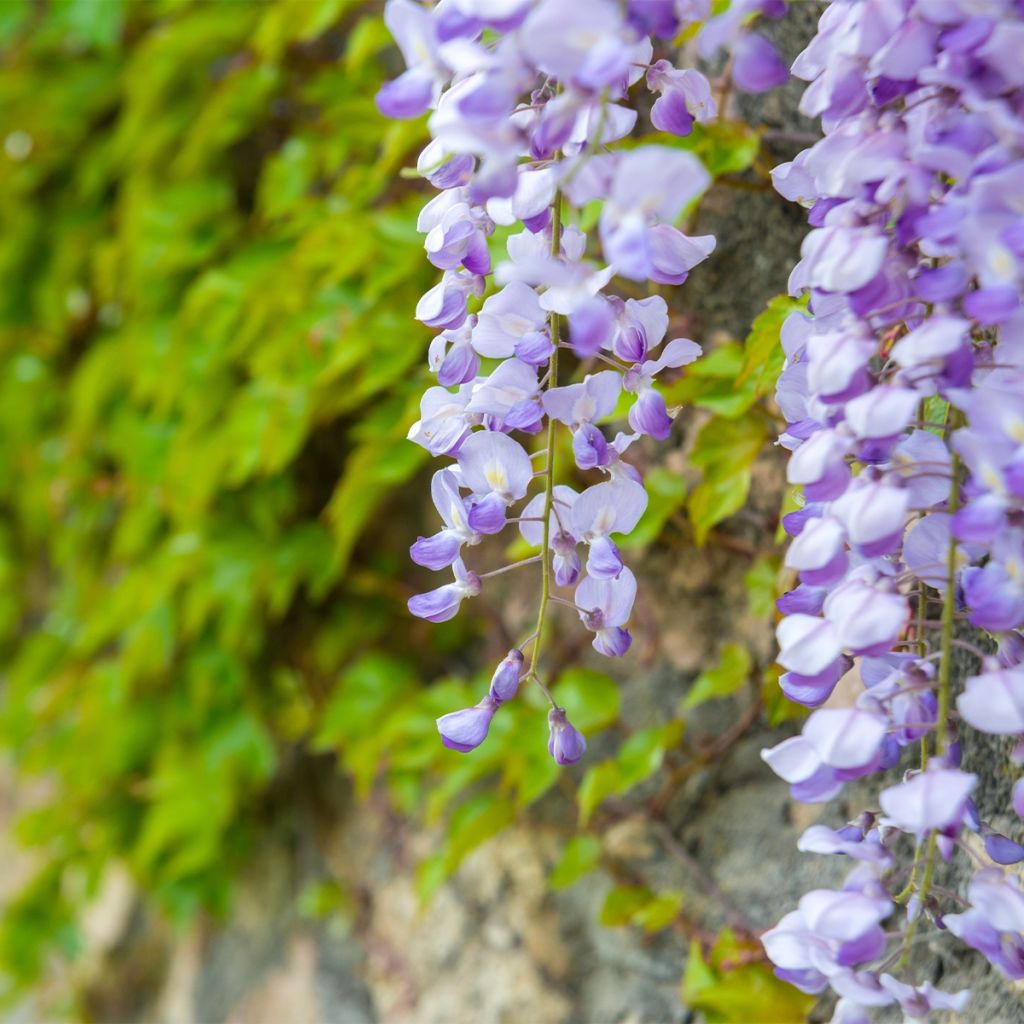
x: 944, y: 687
x: 513, y: 565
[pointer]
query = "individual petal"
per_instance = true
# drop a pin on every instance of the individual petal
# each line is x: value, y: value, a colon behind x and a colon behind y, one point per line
x: 492, y: 462
x: 757, y: 66
x: 612, y: 641
x: 649, y: 415
x: 603, y: 559
x: 505, y: 681
x: 994, y: 701
x: 465, y: 730
x: 589, y: 447
x: 845, y: 737
x: 611, y: 507
x: 793, y: 760
x: 808, y: 644
x: 436, y: 552
x: 407, y: 96
x: 933, y: 799
x: 487, y: 514
x: 609, y: 600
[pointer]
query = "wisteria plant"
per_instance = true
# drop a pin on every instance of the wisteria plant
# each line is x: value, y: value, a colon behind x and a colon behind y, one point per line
x: 527, y: 103
x: 903, y: 393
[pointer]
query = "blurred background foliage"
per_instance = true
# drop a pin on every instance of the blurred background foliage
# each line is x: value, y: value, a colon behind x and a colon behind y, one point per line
x: 207, y: 368
x: 206, y: 373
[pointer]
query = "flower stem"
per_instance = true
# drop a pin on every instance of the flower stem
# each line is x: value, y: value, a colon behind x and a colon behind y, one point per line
x: 549, y: 470
x: 944, y: 686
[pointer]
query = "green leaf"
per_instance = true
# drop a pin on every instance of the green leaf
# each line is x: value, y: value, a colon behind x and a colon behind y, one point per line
x: 725, y: 449
x: 724, y: 147
x: 763, y: 354
x: 777, y: 707
x: 761, y: 581
x: 716, y: 498
x: 600, y: 781
x: 740, y: 994
x: 660, y: 912
x: 591, y: 698
x: 638, y: 905
x: 722, y: 445
x: 622, y: 903
x: 725, y: 678
x: 476, y: 821
x: 642, y: 754
x: 936, y: 410
x: 666, y: 492
x: 579, y: 857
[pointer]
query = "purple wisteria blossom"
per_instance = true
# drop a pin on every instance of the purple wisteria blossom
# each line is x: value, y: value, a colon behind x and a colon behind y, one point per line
x: 902, y: 394
x: 525, y: 101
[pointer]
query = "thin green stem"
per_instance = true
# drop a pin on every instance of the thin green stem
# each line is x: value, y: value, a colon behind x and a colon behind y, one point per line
x: 549, y: 469
x: 944, y: 687
x: 947, y: 619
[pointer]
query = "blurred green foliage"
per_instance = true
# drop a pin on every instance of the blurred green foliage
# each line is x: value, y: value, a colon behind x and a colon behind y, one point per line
x: 206, y: 373
x: 207, y: 369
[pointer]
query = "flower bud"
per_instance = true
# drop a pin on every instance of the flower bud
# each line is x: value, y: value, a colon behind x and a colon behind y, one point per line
x: 505, y: 681
x: 566, y: 743
x: 465, y: 730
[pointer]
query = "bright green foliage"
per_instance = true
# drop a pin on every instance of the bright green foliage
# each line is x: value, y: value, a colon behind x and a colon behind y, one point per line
x: 638, y: 905
x: 728, y: 988
x: 723, y: 679
x: 581, y: 855
x: 207, y: 367
x: 733, y: 382
x: 638, y: 759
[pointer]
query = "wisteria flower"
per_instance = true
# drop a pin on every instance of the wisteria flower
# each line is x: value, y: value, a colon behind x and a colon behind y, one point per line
x: 605, y: 606
x: 606, y: 508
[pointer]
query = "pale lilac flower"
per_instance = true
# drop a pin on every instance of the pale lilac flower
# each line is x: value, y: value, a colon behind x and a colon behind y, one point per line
x: 685, y: 97
x: 614, y: 506
x: 443, y: 603
x: 650, y: 187
x: 830, y: 930
x: 444, y: 306
x: 874, y: 513
x: 506, y: 318
x: 505, y: 681
x: 851, y: 842
x: 640, y: 325
x: 444, y: 423
x: 932, y: 799
x: 819, y: 552
x: 413, y: 92
x: 808, y: 644
x: 579, y: 44
x: 443, y: 548
x: 492, y: 463
x: 451, y: 356
x: 994, y: 923
x: 867, y: 618
x: 993, y: 701
x: 649, y: 414
x: 918, y: 1002
x: 606, y: 606
x: 509, y: 397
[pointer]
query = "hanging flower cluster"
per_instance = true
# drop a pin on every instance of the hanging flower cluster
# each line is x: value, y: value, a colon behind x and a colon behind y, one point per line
x: 904, y: 396
x: 525, y: 98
